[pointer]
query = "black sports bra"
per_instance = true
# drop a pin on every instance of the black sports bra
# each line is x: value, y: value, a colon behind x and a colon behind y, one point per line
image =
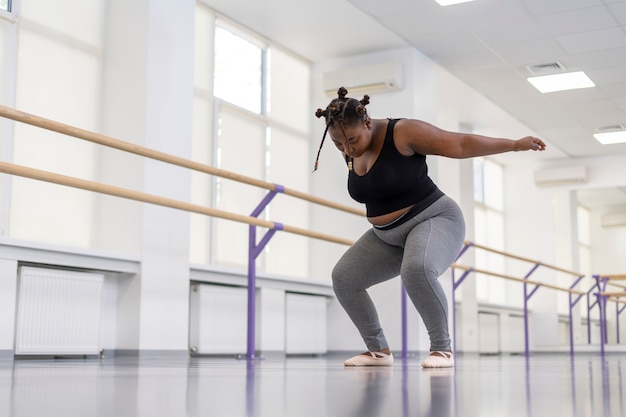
x: 395, y: 181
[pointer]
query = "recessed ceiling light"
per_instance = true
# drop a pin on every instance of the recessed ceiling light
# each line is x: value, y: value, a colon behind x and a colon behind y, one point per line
x: 609, y: 138
x: 449, y: 2
x: 560, y: 82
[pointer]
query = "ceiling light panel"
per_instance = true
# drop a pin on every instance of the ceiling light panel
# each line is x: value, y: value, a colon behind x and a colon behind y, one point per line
x: 561, y: 82
x: 450, y: 2
x: 610, y: 138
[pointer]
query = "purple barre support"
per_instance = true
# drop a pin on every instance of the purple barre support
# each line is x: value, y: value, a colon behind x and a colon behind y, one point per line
x: 571, y: 314
x: 602, y: 301
x: 601, y: 312
x: 404, y: 322
x: 590, y: 305
x: 618, y: 312
x: 455, y: 285
x: 254, y: 250
x: 526, y: 298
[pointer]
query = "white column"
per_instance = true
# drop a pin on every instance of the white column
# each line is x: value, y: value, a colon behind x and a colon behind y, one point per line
x: 455, y: 178
x: 8, y: 297
x: 148, y: 99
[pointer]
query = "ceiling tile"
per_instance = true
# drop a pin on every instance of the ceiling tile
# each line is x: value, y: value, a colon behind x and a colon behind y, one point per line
x: 412, y: 25
x: 510, y: 30
x: 617, y: 90
x: 394, y: 7
x: 619, y: 11
x: 577, y: 21
x: 582, y: 109
x: 607, y: 75
x: 621, y: 103
x: 589, y: 41
x: 530, y: 52
x: 540, y: 7
x: 601, y: 58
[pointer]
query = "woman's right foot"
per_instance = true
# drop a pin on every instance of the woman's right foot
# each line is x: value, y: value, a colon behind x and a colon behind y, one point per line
x: 439, y: 359
x: 370, y: 359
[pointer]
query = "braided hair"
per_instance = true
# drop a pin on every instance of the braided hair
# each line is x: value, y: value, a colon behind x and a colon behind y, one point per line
x: 342, y: 111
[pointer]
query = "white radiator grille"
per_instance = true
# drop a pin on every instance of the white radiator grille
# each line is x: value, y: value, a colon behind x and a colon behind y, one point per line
x: 58, y: 312
x: 218, y: 319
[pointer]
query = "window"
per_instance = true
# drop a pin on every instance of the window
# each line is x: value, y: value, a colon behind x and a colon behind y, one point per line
x: 251, y: 108
x: 238, y: 76
x: 5, y: 5
x: 489, y: 228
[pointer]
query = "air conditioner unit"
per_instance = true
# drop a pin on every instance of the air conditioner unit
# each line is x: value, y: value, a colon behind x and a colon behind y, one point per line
x: 613, y: 219
x: 561, y: 176
x: 367, y: 79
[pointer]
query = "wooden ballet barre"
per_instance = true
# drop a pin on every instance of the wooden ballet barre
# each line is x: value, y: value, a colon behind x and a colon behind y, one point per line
x: 521, y: 258
x: 615, y: 294
x: 620, y: 277
x: 46, y: 176
x: 622, y: 288
x: 510, y: 277
x: 93, y: 137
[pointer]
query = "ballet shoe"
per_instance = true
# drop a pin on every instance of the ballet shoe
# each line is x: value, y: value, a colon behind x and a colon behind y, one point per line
x: 439, y: 359
x: 370, y: 359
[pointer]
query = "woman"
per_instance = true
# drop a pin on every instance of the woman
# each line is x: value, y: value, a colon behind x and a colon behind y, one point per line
x: 417, y: 230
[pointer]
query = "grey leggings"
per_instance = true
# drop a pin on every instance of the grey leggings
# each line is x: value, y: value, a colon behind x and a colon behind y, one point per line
x: 419, y: 250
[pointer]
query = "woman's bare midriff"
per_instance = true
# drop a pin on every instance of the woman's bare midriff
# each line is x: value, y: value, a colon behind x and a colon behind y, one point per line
x: 388, y: 218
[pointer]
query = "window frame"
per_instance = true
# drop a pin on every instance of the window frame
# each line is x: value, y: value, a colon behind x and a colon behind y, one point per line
x: 11, y: 13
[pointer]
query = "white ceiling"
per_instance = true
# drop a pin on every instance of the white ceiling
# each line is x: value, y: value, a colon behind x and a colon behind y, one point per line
x: 488, y: 44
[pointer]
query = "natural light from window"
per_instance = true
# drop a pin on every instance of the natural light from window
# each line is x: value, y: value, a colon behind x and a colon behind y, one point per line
x: 5, y: 5
x: 238, y: 71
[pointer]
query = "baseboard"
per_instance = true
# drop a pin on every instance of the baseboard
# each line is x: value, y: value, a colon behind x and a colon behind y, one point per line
x: 144, y: 353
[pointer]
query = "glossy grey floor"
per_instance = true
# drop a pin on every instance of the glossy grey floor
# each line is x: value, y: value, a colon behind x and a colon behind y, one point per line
x: 541, y: 385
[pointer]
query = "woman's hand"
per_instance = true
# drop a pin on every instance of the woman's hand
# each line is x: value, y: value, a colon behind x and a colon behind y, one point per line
x: 530, y: 143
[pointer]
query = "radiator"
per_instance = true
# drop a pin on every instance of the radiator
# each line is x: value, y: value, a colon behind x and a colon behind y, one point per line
x: 305, y: 324
x: 218, y: 319
x: 58, y: 312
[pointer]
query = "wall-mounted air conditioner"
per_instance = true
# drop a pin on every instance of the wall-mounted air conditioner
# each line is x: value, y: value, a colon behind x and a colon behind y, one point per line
x: 561, y: 175
x: 367, y: 79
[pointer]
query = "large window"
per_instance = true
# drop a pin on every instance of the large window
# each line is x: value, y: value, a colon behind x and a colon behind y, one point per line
x: 59, y: 58
x: 250, y: 119
x: 489, y: 228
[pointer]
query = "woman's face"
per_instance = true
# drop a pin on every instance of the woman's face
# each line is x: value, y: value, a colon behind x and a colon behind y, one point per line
x: 352, y: 140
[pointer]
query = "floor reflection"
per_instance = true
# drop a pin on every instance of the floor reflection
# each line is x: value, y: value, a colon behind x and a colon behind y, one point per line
x: 542, y: 385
